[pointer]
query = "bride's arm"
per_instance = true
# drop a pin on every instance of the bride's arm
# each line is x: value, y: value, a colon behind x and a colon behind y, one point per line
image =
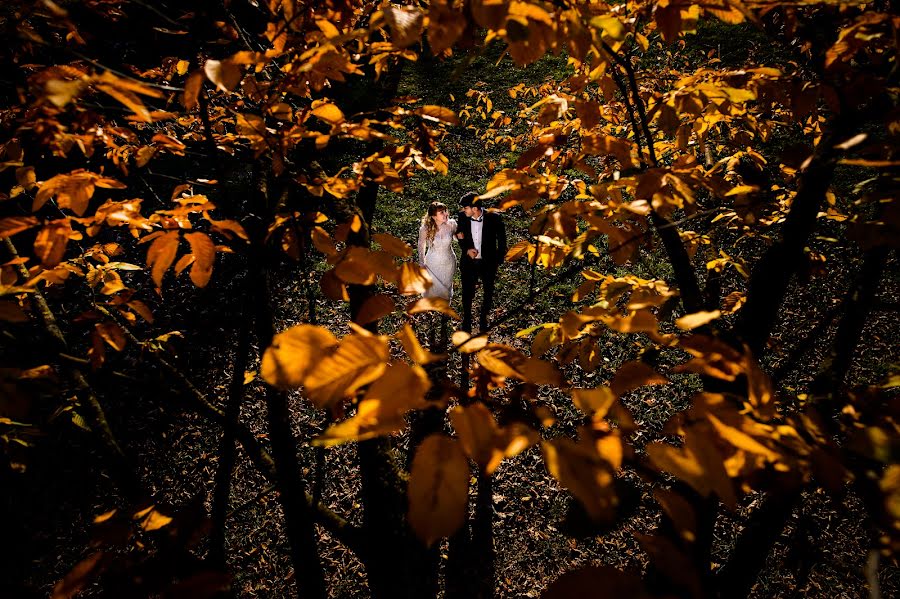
x: 422, y: 235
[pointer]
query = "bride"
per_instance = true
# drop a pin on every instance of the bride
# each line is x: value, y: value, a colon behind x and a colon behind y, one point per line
x: 436, y: 251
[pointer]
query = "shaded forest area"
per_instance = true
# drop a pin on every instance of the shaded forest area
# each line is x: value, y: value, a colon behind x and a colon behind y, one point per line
x: 219, y: 376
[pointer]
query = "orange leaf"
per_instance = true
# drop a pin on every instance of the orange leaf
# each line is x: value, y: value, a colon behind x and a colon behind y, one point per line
x: 413, y: 279
x: 204, y: 251
x: 224, y: 74
x: 112, y: 334
x: 438, y: 114
x: 406, y: 24
x: 478, y: 431
x: 51, y: 241
x: 328, y: 112
x: 11, y: 225
x: 438, y: 488
x: 594, y: 402
x: 468, y: 344
x: 161, y: 255
x: 293, y: 353
x: 358, y: 360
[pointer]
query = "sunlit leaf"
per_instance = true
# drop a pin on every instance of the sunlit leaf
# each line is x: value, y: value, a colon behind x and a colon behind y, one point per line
x: 438, y: 488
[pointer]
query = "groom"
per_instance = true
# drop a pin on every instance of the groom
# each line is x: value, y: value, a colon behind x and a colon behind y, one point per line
x: 482, y: 237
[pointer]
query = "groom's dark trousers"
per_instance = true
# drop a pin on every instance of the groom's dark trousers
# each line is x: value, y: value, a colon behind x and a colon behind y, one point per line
x: 484, y: 269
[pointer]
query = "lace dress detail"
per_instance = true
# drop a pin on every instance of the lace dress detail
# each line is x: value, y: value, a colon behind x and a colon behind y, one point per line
x: 439, y: 259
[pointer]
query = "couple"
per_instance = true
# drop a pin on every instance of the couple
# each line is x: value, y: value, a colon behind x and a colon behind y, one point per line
x: 482, y: 238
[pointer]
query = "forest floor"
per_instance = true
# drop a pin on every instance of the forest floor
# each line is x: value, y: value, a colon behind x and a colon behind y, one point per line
x: 821, y: 553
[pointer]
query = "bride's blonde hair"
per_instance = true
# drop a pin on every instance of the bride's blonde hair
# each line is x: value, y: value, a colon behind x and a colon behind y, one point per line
x: 430, y: 225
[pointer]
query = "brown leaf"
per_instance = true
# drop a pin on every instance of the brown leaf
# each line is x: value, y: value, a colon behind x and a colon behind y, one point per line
x: 438, y: 488
x: 374, y: 308
x: 634, y: 374
x: 112, y: 334
x: 193, y: 86
x: 405, y: 23
x: 204, y: 251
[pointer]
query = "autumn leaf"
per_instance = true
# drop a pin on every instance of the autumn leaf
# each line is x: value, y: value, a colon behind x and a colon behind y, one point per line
x: 356, y: 361
x: 477, y: 431
x: 697, y: 319
x: 634, y: 374
x: 400, y: 389
x: 510, y: 363
x: 437, y: 114
x: 412, y: 279
x: 438, y: 488
x: 413, y: 348
x: 405, y: 23
x: 51, y: 241
x: 594, y: 402
x: 112, y: 334
x: 431, y: 304
x: 374, y: 308
x: 11, y: 225
x: 579, y: 468
x: 328, y: 112
x: 204, y: 251
x: 293, y: 353
x: 224, y: 74
x: 392, y: 245
x: 161, y: 254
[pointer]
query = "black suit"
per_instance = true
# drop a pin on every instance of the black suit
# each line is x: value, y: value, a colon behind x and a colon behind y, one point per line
x: 493, y: 250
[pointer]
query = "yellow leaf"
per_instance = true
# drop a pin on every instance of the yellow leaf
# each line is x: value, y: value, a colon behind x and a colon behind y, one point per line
x: 293, y: 353
x: 249, y: 376
x: 438, y: 114
x: 224, y: 74
x: 413, y: 279
x: 438, y: 489
x: 328, y: 112
x: 468, y: 344
x: 181, y: 67
x: 392, y: 245
x: 432, y: 304
x: 358, y: 360
x: 155, y: 520
x: 579, y: 468
x: 697, y: 319
x: 611, y: 26
x: 402, y: 388
x: 414, y: 349
x: 594, y: 402
x: 509, y: 362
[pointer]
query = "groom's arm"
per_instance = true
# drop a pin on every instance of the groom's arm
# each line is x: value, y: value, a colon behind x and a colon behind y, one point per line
x: 464, y: 233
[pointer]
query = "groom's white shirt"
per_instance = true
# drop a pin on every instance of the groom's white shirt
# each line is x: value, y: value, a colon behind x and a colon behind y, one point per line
x: 477, y: 229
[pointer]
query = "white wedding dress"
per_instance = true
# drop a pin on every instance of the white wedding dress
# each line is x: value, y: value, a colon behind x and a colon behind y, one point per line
x: 439, y: 259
